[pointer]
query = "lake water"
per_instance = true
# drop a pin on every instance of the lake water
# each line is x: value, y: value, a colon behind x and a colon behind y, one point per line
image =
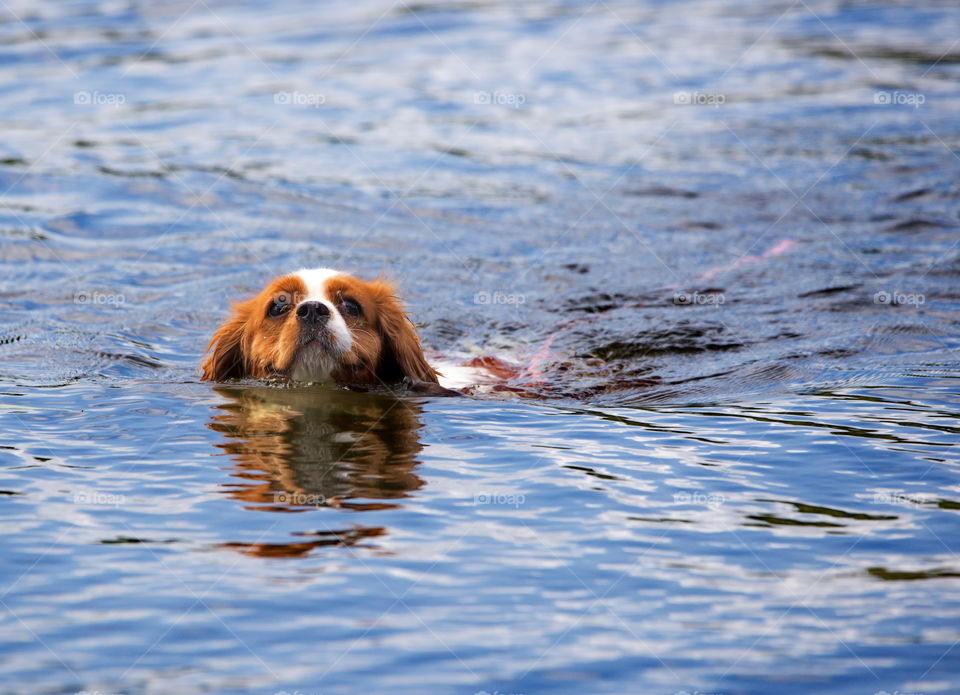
x: 720, y: 241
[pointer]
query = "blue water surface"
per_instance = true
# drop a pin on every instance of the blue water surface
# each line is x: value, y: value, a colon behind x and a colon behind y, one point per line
x: 720, y: 242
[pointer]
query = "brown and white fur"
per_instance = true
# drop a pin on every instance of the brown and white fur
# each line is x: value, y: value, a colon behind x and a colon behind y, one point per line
x: 320, y: 325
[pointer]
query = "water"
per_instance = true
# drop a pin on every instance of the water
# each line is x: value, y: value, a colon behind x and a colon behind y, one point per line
x: 721, y: 242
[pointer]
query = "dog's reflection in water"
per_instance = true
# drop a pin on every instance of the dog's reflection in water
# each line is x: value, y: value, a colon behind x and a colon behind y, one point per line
x: 298, y: 449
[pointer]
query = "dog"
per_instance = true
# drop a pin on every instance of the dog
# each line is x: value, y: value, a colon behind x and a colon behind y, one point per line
x: 322, y: 326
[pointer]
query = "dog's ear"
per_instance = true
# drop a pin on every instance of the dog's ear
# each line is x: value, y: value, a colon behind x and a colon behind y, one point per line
x: 401, y: 354
x: 226, y: 358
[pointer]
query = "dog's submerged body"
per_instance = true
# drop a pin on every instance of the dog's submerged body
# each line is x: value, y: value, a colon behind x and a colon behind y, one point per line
x: 324, y: 326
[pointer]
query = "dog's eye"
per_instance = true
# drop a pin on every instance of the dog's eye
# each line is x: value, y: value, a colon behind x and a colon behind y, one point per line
x: 350, y: 308
x: 279, y: 306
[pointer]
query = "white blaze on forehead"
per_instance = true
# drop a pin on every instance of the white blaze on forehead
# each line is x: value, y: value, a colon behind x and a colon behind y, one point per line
x: 308, y: 364
x: 315, y: 282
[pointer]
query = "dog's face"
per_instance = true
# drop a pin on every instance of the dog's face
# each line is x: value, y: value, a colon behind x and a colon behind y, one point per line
x: 319, y: 325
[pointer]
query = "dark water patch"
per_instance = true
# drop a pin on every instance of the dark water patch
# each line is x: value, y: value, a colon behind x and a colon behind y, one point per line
x: 130, y: 173
x: 917, y: 225
x: 135, y: 359
x: 880, y: 52
x: 660, y: 521
x: 826, y: 511
x: 661, y: 192
x: 773, y: 520
x: 908, y: 576
x: 701, y: 226
x: 599, y: 303
x: 679, y: 340
x: 826, y: 291
x: 913, y: 195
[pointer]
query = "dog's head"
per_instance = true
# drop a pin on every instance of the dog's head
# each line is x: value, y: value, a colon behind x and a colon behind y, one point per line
x: 319, y: 325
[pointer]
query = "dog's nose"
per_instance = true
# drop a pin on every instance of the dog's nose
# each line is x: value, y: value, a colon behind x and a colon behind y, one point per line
x: 313, y: 312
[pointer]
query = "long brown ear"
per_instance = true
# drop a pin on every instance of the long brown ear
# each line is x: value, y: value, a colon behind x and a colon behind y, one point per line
x: 402, y: 355
x: 226, y: 359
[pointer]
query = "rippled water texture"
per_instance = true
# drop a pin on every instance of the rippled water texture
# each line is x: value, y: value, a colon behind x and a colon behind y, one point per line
x: 716, y: 243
